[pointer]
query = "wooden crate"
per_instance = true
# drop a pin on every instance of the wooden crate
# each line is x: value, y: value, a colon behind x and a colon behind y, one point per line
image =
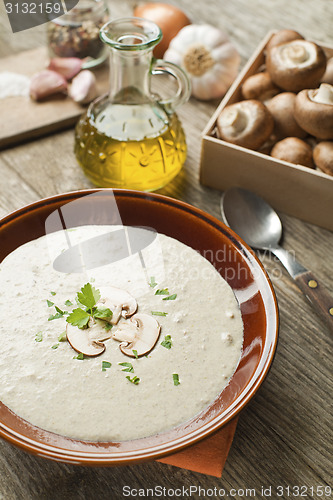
x: 296, y: 190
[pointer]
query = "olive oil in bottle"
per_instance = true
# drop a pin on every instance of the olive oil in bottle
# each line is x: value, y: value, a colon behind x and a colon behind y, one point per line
x: 131, y: 138
x: 133, y: 146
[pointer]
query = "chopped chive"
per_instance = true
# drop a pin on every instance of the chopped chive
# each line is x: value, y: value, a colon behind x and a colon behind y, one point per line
x: 53, y: 293
x: 79, y: 356
x: 167, y: 342
x: 152, y: 283
x: 39, y: 337
x: 175, y: 377
x: 55, y: 346
x: 128, y: 367
x: 135, y: 353
x: 158, y: 313
x: 62, y: 337
x: 135, y: 380
x: 55, y: 316
x: 171, y: 297
x: 105, y: 365
x: 164, y: 291
x: 49, y: 303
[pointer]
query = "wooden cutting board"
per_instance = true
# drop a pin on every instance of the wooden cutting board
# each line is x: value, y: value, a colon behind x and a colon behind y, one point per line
x: 21, y: 118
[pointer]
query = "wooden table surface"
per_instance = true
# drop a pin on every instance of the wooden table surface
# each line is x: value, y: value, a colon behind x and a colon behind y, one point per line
x: 284, y: 436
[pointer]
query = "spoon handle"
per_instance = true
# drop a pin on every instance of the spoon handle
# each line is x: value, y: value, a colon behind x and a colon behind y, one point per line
x: 317, y: 294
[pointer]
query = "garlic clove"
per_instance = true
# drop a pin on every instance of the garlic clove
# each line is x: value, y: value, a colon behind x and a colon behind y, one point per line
x: 68, y: 67
x: 83, y: 89
x: 46, y: 83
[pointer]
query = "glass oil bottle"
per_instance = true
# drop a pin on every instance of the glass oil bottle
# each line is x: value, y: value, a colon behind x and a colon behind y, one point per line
x: 130, y: 138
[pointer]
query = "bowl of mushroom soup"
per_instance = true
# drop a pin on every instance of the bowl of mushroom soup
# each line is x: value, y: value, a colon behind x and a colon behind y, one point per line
x: 134, y: 304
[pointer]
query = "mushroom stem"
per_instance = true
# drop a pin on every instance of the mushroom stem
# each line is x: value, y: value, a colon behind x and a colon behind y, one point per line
x: 296, y: 53
x: 234, y: 118
x: 323, y: 95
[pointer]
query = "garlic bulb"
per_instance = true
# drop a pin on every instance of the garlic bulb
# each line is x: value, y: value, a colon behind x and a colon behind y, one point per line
x: 208, y: 57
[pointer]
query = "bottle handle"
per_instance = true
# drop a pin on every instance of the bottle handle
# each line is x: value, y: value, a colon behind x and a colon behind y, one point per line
x: 184, y: 85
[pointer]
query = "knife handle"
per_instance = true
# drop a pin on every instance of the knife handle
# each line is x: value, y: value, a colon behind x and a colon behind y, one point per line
x: 317, y: 294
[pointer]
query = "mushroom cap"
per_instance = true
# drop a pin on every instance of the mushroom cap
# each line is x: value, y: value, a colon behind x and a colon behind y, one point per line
x: 245, y: 123
x: 121, y: 303
x: 323, y: 156
x: 293, y: 150
x: 259, y: 86
x: 315, y: 117
x: 328, y: 75
x: 282, y: 109
x: 283, y: 36
x: 140, y: 334
x: 88, y: 341
x: 296, y: 65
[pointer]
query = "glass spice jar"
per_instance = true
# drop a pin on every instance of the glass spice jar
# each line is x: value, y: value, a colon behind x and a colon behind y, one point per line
x: 76, y: 33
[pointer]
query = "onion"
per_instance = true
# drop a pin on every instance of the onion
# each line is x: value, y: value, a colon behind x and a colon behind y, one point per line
x: 169, y: 18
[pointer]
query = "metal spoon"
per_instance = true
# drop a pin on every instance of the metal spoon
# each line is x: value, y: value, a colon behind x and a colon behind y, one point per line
x: 259, y: 225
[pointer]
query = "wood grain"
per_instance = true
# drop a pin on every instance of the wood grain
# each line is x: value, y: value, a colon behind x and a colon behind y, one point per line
x: 284, y: 436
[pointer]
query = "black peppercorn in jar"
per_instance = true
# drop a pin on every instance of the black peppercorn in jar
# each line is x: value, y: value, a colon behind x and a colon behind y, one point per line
x: 76, y: 33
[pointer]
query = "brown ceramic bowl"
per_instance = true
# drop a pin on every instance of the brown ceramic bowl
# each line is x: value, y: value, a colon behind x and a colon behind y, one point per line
x: 232, y: 258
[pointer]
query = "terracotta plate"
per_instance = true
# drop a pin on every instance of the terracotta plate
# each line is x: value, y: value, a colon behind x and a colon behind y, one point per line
x: 233, y: 259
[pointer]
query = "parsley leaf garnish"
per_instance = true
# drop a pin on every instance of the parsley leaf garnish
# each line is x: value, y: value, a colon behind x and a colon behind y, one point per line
x: 158, y: 313
x: 55, y: 346
x: 135, y: 353
x: 175, y: 377
x: 102, y: 313
x: 135, y: 380
x: 49, y: 303
x: 107, y: 327
x: 167, y: 342
x: 68, y: 303
x: 105, y: 365
x: 128, y: 367
x: 152, y: 283
x: 88, y: 296
x: 78, y: 317
x: 39, y: 337
x: 164, y: 291
x: 79, y: 356
x: 53, y: 293
x: 171, y: 297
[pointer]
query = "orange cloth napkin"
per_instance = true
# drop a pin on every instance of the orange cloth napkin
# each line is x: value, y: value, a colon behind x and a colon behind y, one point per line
x: 209, y: 455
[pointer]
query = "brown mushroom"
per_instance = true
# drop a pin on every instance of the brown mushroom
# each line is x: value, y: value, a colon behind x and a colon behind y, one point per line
x: 259, y: 86
x: 293, y: 150
x: 88, y: 341
x: 246, y: 123
x: 282, y: 109
x: 296, y: 65
x: 328, y: 75
x: 119, y: 301
x: 314, y: 111
x: 283, y: 36
x: 140, y: 334
x: 323, y: 156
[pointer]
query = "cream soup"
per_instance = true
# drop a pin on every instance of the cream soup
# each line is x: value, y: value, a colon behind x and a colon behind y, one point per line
x: 44, y: 382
